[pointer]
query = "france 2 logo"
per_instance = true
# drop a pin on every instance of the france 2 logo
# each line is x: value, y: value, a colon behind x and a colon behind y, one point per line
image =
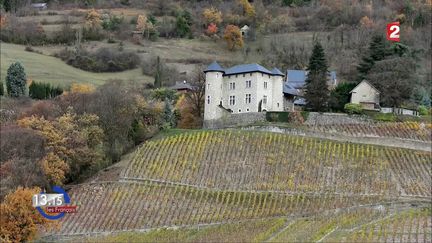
x: 393, y: 30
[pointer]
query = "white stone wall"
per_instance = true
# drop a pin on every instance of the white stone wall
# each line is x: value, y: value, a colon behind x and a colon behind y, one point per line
x: 240, y: 92
x: 268, y: 92
x: 219, y: 90
x: 277, y: 94
x: 213, y: 88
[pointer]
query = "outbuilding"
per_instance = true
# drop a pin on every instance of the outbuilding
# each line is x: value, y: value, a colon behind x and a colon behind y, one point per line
x: 366, y: 95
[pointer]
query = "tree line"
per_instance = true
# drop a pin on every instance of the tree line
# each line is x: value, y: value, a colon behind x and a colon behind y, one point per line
x: 391, y: 68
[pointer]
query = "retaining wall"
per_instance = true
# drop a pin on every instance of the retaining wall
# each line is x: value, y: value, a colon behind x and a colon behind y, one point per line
x: 316, y: 118
x: 384, y: 141
x: 233, y: 120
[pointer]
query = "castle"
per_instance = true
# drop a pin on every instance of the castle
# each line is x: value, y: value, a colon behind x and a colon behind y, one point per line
x: 242, y: 88
x: 253, y: 88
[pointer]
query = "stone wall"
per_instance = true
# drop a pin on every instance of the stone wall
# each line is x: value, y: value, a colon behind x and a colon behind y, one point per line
x: 234, y: 120
x: 316, y: 118
x: 383, y: 141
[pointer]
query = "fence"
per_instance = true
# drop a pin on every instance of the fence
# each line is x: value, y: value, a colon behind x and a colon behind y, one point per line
x: 399, y: 111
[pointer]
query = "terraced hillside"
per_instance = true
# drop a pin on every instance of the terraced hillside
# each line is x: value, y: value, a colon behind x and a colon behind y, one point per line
x: 236, y: 160
x: 277, y: 184
x: 401, y: 130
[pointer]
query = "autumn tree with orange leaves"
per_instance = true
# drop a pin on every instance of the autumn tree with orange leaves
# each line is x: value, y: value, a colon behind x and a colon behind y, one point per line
x: 74, y: 143
x: 248, y: 9
x: 233, y: 37
x: 19, y: 220
x: 211, y: 29
x: 212, y: 15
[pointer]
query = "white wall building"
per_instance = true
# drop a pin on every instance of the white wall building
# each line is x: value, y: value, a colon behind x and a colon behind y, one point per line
x: 366, y: 95
x: 242, y: 88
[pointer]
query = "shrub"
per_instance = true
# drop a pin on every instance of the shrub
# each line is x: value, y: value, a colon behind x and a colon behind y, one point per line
x: 423, y: 110
x: 385, y: 117
x: 16, y: 80
x: 305, y: 115
x: 103, y: 60
x: 1, y: 89
x: 93, y: 34
x: 66, y: 34
x: 277, y: 116
x: 113, y: 23
x: 351, y: 108
x: 29, y: 49
x: 43, y: 91
x: 163, y: 94
x: 23, y: 32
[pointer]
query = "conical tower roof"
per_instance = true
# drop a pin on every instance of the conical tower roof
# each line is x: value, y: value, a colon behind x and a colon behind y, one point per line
x: 214, y: 67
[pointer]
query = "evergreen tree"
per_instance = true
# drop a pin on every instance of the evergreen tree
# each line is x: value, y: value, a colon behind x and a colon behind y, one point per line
x: 7, y: 5
x: 340, y: 96
x: 43, y: 91
x: 377, y: 52
x: 16, y: 80
x: 183, y: 24
x: 158, y: 74
x: 317, y: 92
x: 1, y: 89
x: 168, y: 115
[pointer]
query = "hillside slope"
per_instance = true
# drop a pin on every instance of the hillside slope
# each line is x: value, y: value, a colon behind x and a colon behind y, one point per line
x: 44, y: 68
x: 204, y: 178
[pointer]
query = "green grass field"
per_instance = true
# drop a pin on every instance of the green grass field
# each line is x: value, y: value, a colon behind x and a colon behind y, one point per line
x: 49, y: 69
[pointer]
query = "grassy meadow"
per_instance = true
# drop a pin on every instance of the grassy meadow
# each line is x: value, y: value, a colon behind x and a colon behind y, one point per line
x: 43, y: 68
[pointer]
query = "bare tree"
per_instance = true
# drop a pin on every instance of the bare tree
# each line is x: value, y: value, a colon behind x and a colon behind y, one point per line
x: 196, y: 95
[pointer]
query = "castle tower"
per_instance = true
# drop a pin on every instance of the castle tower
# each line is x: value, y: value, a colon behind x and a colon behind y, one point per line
x: 213, y: 91
x: 277, y: 92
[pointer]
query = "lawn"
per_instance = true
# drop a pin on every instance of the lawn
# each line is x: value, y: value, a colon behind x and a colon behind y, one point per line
x: 49, y: 69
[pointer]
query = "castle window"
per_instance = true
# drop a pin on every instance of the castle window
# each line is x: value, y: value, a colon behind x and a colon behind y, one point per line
x: 269, y: 75
x: 248, y: 98
x: 208, y: 86
x: 208, y: 99
x: 236, y: 75
x: 264, y: 99
x: 232, y: 86
x: 250, y: 74
x: 239, y: 110
x: 247, y: 109
x: 232, y: 100
x: 265, y: 85
x: 244, y: 75
x: 248, y: 83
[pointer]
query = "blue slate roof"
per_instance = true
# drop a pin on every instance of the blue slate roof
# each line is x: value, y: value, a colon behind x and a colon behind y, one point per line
x: 289, y: 89
x: 247, y: 68
x: 297, y: 78
x: 276, y: 71
x: 214, y: 66
x: 300, y: 101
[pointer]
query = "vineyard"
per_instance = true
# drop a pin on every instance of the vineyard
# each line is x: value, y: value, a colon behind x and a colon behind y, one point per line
x: 358, y: 225
x: 402, y: 130
x: 277, y: 162
x: 219, y: 185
